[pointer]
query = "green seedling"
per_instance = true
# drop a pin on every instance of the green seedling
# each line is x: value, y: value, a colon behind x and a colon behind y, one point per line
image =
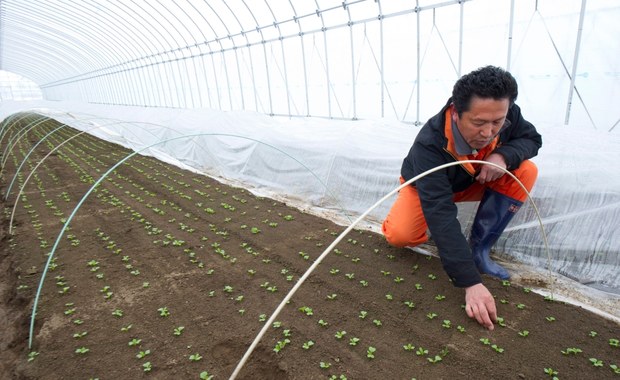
x: 81, y: 350
x: 134, y: 342
x: 354, y: 341
x: 178, y: 330
x: 32, y: 355
x: 571, y: 350
x: 596, y: 362
x: 142, y: 354
x: 280, y: 345
x: 164, y: 312
x: 195, y: 357
x: 523, y: 333
x: 147, y: 367
x: 307, y: 345
x: 370, y: 352
x: 340, y: 334
x: 204, y: 375
x: 409, y: 347
x: 325, y: 365
x: 435, y: 359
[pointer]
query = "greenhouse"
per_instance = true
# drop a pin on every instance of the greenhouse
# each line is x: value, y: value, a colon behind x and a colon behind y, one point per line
x: 197, y: 189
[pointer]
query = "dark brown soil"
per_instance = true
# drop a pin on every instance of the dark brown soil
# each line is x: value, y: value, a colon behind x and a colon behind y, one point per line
x: 194, y: 241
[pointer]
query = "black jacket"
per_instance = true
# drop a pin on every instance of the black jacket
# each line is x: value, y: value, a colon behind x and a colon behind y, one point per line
x: 519, y: 142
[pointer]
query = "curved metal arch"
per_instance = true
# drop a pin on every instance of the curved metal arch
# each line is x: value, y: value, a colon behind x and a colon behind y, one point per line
x: 61, y: 39
x: 155, y: 29
x: 140, y: 32
x: 74, y: 21
x: 45, y: 55
x: 123, y: 43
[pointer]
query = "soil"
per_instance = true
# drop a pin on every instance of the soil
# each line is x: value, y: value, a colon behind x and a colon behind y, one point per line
x: 153, y: 238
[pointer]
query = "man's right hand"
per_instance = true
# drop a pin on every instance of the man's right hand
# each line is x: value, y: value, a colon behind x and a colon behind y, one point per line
x: 480, y: 304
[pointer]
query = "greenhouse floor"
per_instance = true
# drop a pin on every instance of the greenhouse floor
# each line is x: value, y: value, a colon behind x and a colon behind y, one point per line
x: 167, y: 274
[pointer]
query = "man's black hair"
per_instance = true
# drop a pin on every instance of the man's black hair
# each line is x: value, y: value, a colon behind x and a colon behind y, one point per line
x: 485, y: 82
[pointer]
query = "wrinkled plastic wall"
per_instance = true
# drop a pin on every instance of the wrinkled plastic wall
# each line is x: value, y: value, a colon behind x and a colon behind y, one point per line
x: 339, y: 169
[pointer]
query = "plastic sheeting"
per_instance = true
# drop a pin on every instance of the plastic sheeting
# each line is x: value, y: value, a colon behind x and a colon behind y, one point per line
x: 339, y: 171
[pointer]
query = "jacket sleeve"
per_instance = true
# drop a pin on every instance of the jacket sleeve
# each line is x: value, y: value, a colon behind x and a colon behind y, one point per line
x: 520, y: 141
x: 440, y: 213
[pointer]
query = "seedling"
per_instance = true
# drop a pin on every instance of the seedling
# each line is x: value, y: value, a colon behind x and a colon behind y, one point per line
x: 377, y: 322
x: 460, y: 328
x: 550, y: 319
x: 431, y: 315
x: 340, y: 334
x: 592, y: 334
x: 32, y: 355
x: 281, y: 344
x: 325, y: 365
x: 497, y: 348
x: 82, y: 350
x: 147, y: 367
x: 204, y: 375
x: 163, y: 312
x: 307, y: 345
x: 523, y: 333
x: 354, y: 341
x: 571, y: 350
x: 178, y: 330
x: 409, y: 304
x: 134, y: 342
x: 370, y: 353
x: 421, y: 351
x: 440, y: 297
x: 80, y: 335
x: 409, y: 347
x: 435, y: 359
x: 551, y: 372
x: 446, y: 324
x: 322, y: 323
x: 614, y: 342
x: 117, y: 313
x: 195, y: 357
x: 142, y: 354
x: 596, y: 362
x: 306, y: 310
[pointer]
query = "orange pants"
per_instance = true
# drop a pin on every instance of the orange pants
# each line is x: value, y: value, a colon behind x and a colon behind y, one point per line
x: 405, y: 225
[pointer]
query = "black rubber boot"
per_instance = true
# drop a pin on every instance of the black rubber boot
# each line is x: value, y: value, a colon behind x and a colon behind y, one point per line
x: 494, y: 213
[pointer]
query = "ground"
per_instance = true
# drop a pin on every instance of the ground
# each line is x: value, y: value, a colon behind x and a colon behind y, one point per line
x: 166, y: 274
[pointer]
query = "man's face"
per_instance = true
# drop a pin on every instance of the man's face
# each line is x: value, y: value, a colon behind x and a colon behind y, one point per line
x: 483, y: 121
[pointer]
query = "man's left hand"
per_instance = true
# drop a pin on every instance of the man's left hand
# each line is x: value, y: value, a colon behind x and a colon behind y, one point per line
x: 489, y: 173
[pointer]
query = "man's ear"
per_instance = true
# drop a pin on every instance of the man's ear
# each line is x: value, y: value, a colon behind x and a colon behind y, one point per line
x: 453, y: 112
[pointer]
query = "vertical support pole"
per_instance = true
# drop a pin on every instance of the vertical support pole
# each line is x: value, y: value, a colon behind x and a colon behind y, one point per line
x: 575, y: 61
x: 417, y: 11
x: 510, y: 30
x: 381, y: 63
x: 352, y: 67
x: 462, y: 11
